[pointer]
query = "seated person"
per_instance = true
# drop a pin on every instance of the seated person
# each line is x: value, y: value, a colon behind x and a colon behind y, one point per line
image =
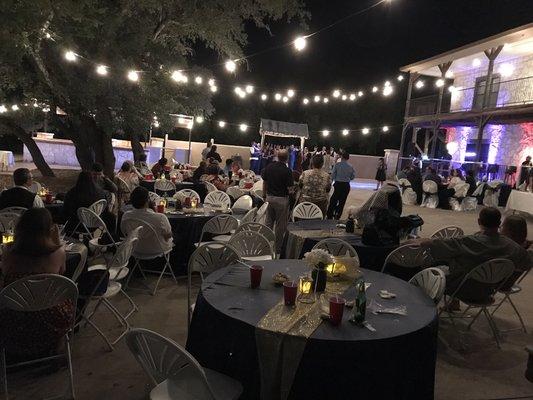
x: 515, y: 228
x: 431, y: 175
x: 198, y: 172
x: 101, y: 180
x: 464, y: 253
x: 315, y: 184
x: 456, y: 177
x: 20, y: 195
x: 212, y: 176
x: 141, y: 164
x: 128, y: 174
x: 36, y: 250
x: 471, y: 181
x: 228, y: 167
x: 144, y: 211
x: 159, y: 168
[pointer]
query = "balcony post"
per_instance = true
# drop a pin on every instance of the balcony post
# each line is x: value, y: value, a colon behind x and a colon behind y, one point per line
x: 444, y: 67
x: 491, y: 54
x: 412, y: 78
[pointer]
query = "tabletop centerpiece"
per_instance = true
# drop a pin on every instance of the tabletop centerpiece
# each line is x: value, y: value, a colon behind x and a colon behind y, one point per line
x: 319, y: 260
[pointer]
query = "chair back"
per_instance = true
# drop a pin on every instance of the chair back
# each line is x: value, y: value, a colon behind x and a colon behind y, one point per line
x: 99, y: 206
x: 14, y: 209
x: 164, y: 185
x: 307, y: 210
x: 124, y: 250
x: 461, y: 190
x: 219, y: 225
x: 234, y: 192
x: 447, y: 232
x: 242, y: 205
x: 209, y: 257
x: 8, y: 220
x: 258, y: 185
x: 249, y: 216
x: 123, y: 186
x: 144, y: 231
x: 38, y: 292
x: 210, y: 187
x: 162, y: 359
x: 182, y: 194
x: 35, y: 187
x: 244, y: 181
x: 251, y: 244
x: 258, y: 227
x: 261, y: 213
x: 430, y: 187
x: 404, y: 184
x: 90, y: 219
x: 432, y: 281
x: 481, y: 283
x: 249, y: 173
x: 409, y: 256
x: 337, y: 247
x: 217, y: 198
x: 154, y: 197
x: 257, y: 193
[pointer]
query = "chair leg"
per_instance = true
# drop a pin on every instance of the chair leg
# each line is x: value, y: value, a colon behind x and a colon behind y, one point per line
x: 134, y: 307
x: 89, y: 317
x: 167, y: 265
x: 99, y: 331
x: 499, y: 304
x: 120, y: 318
x: 475, y: 318
x: 69, y: 360
x: 517, y: 314
x: 4, y: 372
x: 493, y: 327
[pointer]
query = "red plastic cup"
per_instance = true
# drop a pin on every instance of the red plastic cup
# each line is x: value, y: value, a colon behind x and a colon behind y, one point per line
x: 173, y: 179
x: 290, y: 289
x: 255, y: 276
x: 336, y: 309
x: 48, y: 198
x: 161, y: 208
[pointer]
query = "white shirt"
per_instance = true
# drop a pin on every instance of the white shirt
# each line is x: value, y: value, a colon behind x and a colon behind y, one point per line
x: 37, y: 201
x: 161, y: 225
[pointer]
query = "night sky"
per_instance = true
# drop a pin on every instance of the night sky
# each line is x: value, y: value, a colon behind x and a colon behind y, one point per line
x: 356, y: 54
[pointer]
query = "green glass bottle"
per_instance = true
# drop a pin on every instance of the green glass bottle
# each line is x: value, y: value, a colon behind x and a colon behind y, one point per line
x: 359, y: 308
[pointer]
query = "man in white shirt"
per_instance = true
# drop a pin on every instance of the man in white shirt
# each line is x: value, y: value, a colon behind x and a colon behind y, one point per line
x: 143, y: 211
x: 20, y: 195
x: 206, y: 151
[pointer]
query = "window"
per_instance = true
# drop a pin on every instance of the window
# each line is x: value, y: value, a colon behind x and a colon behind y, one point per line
x: 479, y: 92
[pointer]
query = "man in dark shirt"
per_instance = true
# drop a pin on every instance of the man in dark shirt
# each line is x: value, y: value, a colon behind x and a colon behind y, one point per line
x: 431, y: 175
x: 20, y: 195
x: 277, y: 182
x: 213, y: 154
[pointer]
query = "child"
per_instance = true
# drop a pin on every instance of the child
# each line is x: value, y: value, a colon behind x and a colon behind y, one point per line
x: 381, y: 173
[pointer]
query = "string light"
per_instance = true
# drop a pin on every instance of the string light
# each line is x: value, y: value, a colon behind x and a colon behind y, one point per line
x: 290, y: 93
x: 214, y: 89
x: 3, y: 109
x: 325, y: 133
x: 374, y: 89
x: 448, y: 74
x: 221, y: 124
x: 101, y: 70
x: 178, y: 76
x: 452, y: 89
x: 336, y: 93
x: 344, y: 97
x: 264, y: 97
x: 365, y: 131
x: 249, y: 89
x: 419, y: 84
x: 352, y: 96
x: 156, y: 124
x: 211, y: 82
x: 385, y: 128
x: 277, y: 96
x: 300, y: 43
x: 198, y: 80
x: 439, y: 83
x: 305, y: 101
x: 70, y: 56
x: 325, y: 100
x: 199, y: 119
x: 400, y: 78
x: 230, y: 65
x: 387, y: 83
x: 360, y: 93
x: 35, y: 104
x: 316, y: 99
x: 243, y: 127
x: 387, y: 91
x: 476, y: 62
x: 133, y: 76
x: 345, y: 132
x: 14, y: 107
x: 47, y: 35
x: 46, y: 109
x: 285, y: 99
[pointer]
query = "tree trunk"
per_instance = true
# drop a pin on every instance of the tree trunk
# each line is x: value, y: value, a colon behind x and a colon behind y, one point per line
x: 34, y: 150
x: 136, y: 146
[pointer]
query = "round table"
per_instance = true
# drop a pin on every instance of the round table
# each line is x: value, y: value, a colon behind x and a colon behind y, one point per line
x: 297, y: 242
x: 395, y: 362
x: 197, y: 187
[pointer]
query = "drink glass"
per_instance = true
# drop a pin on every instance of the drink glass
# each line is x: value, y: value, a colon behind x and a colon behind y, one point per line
x: 161, y: 208
x: 336, y: 309
x: 290, y: 289
x: 255, y: 276
x: 48, y: 198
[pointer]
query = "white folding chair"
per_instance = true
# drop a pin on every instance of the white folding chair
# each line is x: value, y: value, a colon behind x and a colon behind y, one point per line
x: 234, y: 192
x: 409, y: 256
x: 184, y: 193
x: 148, y: 233
x: 174, y: 373
x: 210, y: 187
x: 14, y: 209
x: 252, y: 246
x: 430, y: 198
x: 487, y: 278
x: 154, y: 197
x: 165, y: 186
x: 432, y: 281
x: 205, y: 259
x: 257, y: 193
x: 218, y: 225
x: 217, y: 198
x: 243, y: 182
x: 492, y: 193
x: 306, y: 210
x: 242, y: 205
x: 118, y: 270
x: 260, y: 228
x: 258, y: 185
x: 249, y: 216
x: 457, y: 200
x: 261, y: 213
x: 92, y: 223
x: 30, y: 295
x: 448, y: 232
x: 337, y: 247
x: 515, y: 288
x: 8, y: 220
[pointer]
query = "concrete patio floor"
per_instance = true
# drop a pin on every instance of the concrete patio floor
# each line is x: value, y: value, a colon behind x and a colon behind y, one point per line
x: 479, y: 372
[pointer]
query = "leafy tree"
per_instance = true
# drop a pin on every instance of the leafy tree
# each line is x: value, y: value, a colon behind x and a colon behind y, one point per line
x: 154, y: 37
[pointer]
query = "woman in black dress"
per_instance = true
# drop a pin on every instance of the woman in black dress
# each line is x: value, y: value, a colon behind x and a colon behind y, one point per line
x: 381, y: 175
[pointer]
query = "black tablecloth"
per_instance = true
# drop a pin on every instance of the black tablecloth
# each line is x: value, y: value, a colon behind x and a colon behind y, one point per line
x: 346, y: 362
x: 370, y: 257
x: 197, y: 187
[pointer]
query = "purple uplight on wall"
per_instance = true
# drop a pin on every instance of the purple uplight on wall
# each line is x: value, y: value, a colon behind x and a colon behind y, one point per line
x: 496, y: 132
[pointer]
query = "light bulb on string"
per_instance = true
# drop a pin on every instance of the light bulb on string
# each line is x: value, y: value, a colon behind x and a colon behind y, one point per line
x: 439, y: 83
x: 133, y: 76
x: 3, y: 109
x: 285, y: 99
x: 452, y: 89
x: 198, y: 80
x: 211, y: 82
x: 365, y: 131
x: 70, y: 56
x: 352, y: 96
x: 290, y: 93
x: 316, y: 99
x: 47, y: 35
x: 387, y: 91
x: 178, y: 76
x: 264, y: 97
x: 249, y: 89
x: 448, y: 74
x: 385, y: 128
x: 35, y: 104
x: 325, y: 133
x: 243, y: 127
x: 230, y: 66
x: 400, y: 78
x: 360, y: 93
x: 101, y: 70
x: 325, y: 100
x: 277, y: 96
x: 214, y: 89
x: 156, y: 124
x: 199, y: 119
x: 237, y: 90
x: 15, y: 107
x: 375, y: 89
x: 344, y: 97
x: 300, y: 43
x: 242, y: 94
x: 387, y: 83
x: 345, y: 132
x: 419, y: 84
x: 305, y: 101
x: 221, y: 124
x: 336, y: 93
x: 46, y: 109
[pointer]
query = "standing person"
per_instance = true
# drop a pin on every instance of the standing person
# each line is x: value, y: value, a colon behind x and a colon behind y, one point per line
x: 327, y: 161
x: 381, y: 173
x: 20, y: 195
x: 206, y: 150
x: 255, y: 153
x: 292, y: 157
x: 277, y: 182
x: 315, y: 184
x: 213, y: 154
x: 524, y: 170
x: 342, y: 174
